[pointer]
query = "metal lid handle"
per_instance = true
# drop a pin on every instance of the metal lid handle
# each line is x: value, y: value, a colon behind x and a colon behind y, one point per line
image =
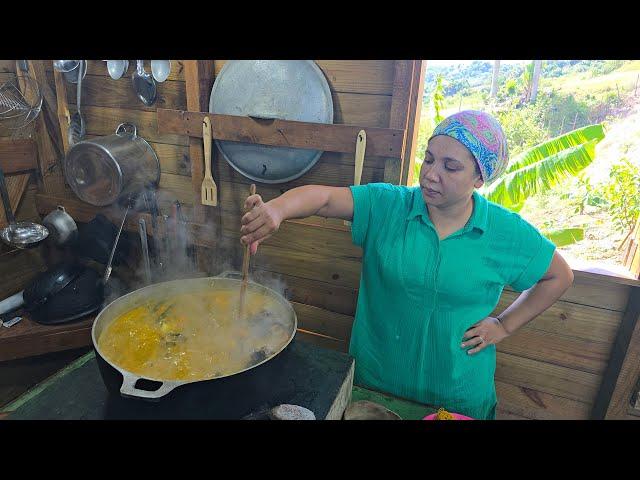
x: 122, y: 129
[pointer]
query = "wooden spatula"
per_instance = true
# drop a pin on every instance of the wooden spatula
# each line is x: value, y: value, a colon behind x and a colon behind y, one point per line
x: 361, y: 146
x: 209, y: 191
x: 245, y: 266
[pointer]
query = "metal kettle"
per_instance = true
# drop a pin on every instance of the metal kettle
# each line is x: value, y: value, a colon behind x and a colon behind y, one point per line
x: 62, y: 227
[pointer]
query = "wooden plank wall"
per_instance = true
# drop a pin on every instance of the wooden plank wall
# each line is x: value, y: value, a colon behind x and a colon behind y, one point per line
x: 551, y: 369
x: 312, y: 259
x: 17, y: 267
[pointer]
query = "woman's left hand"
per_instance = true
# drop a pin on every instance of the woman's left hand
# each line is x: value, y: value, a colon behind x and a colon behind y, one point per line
x: 486, y: 332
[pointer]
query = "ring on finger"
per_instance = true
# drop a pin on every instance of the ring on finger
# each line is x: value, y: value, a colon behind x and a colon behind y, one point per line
x: 481, y: 338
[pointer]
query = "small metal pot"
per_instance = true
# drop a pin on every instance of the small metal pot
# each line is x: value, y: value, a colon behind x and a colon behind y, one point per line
x: 62, y: 228
x: 104, y: 169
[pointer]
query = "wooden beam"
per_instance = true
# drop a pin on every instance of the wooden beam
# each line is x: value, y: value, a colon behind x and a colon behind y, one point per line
x: 413, y: 125
x: 626, y: 358
x: 399, y: 117
x: 384, y: 142
x: 604, y: 398
x: 199, y: 76
x: 18, y: 155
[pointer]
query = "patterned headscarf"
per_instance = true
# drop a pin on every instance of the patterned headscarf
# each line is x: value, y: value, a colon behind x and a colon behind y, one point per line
x: 483, y: 136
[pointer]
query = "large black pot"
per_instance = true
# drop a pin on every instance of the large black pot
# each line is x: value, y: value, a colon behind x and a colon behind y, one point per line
x: 229, y: 395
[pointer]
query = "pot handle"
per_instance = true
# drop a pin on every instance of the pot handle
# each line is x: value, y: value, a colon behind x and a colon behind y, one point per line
x: 128, y: 388
x: 230, y: 274
x: 122, y: 129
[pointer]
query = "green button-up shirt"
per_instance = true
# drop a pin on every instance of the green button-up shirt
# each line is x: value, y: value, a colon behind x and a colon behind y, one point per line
x: 419, y: 294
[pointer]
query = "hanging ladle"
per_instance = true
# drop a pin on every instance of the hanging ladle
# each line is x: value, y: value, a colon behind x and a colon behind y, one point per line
x: 144, y: 85
x: 19, y: 234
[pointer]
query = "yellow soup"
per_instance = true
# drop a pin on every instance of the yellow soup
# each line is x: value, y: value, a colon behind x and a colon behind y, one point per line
x: 196, y: 336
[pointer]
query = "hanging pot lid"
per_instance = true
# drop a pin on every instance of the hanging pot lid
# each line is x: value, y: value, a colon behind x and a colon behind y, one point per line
x: 281, y: 89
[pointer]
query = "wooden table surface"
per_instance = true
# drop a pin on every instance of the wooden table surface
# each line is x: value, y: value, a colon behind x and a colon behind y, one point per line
x: 28, y: 338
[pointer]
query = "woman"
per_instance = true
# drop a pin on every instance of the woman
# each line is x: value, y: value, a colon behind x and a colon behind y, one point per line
x: 435, y: 261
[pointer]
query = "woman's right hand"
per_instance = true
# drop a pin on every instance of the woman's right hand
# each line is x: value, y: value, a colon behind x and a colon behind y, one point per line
x: 260, y: 222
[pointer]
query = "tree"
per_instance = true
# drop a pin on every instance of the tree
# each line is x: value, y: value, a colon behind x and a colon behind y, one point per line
x: 537, y: 66
x: 494, y: 78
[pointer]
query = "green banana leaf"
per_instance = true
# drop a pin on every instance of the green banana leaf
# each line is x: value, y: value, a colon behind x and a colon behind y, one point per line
x: 565, y: 236
x: 515, y: 187
x: 556, y: 145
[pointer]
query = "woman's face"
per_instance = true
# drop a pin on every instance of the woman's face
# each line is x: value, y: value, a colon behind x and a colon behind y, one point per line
x: 448, y: 174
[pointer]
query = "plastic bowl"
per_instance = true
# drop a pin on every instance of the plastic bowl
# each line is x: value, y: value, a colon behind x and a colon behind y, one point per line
x: 456, y: 416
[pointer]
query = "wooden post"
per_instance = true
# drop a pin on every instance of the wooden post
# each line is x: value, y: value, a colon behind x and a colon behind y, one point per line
x: 199, y: 77
x: 399, y: 118
x: 611, y: 401
x: 413, y: 125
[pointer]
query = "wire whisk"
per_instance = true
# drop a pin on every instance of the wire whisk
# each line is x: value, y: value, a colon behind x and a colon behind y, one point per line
x: 20, y: 102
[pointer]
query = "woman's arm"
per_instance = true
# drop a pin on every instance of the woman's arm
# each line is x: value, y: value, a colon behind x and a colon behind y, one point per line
x: 263, y: 219
x: 538, y: 298
x: 525, y: 308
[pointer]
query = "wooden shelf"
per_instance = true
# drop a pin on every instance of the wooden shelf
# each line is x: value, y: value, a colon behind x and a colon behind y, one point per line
x: 382, y: 142
x: 28, y: 338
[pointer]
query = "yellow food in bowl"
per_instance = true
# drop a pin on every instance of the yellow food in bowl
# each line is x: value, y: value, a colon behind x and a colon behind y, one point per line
x: 196, y: 336
x: 442, y: 414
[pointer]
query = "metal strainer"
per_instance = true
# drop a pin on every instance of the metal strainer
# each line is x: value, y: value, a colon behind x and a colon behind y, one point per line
x: 20, y: 101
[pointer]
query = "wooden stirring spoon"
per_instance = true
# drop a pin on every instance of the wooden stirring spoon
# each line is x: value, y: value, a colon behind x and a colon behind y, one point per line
x: 245, y: 265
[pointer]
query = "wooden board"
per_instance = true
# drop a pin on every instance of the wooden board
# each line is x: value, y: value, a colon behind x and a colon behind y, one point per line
x: 354, y: 76
x: 304, y: 238
x: 100, y: 91
x: 399, y: 115
x: 199, y: 78
x: 104, y: 121
x: 579, y: 321
x: 283, y: 133
x: 324, y: 172
x: 99, y: 68
x: 323, y: 322
x: 528, y: 403
x: 28, y: 338
x: 599, y: 293
x: 558, y: 349
x: 547, y: 378
x: 16, y: 187
x: 413, y: 123
x: 18, y: 155
x: 336, y: 271
x: 7, y: 66
x: 314, y: 293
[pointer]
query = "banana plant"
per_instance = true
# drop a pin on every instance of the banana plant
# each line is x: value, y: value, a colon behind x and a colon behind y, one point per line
x: 540, y: 168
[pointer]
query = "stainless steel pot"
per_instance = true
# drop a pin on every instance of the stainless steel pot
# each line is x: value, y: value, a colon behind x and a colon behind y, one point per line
x: 104, y: 169
x: 129, y: 382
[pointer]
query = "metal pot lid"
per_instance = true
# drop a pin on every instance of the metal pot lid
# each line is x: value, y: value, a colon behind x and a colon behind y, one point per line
x: 282, y: 89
